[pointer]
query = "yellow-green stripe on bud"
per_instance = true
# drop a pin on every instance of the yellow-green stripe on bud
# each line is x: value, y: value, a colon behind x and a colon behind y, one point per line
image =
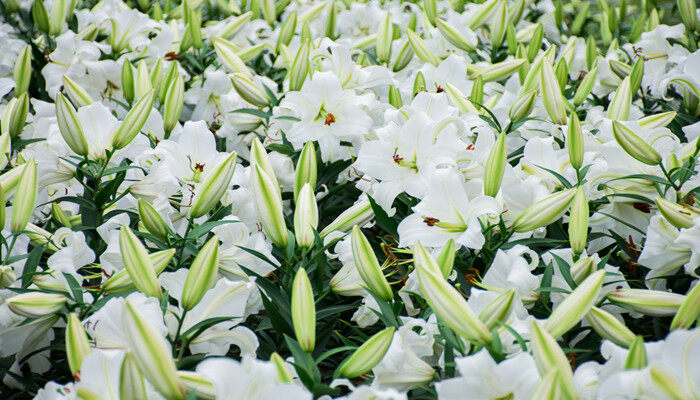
x: 421, y: 49
x: 385, y: 35
x: 582, y: 268
x: 287, y: 31
x: 40, y: 16
x: 495, y: 166
x: 25, y: 197
x: 77, y: 344
x: 446, y: 301
x: 585, y: 87
x: 482, y: 13
x: 36, y: 304
x: 152, y: 353
x: 548, y: 387
x: 578, y: 222
x: 501, y: 70
x: 454, y: 36
x: 395, y: 97
x: 689, y: 310
x: 687, y: 9
x: 70, y: 127
x: 609, y: 327
x: 174, y: 101
x: 574, y: 141
x: 548, y: 355
x: 635, y: 146
x: 303, y: 311
x: 575, y: 306
x: 300, y: 67
x: 249, y: 91
x: 676, y: 214
x: 368, y: 355
x: 368, y: 267
x: 636, y: 75
x: 637, y: 355
x: 305, y: 216
x: 306, y: 169
x: 131, y: 382
x: 138, y: 263
x: 649, y: 302
x: 152, y: 220
x: 522, y: 106
x: 57, y: 17
x: 213, y: 187
x: 16, y: 115
x: 458, y: 99
x: 430, y: 10
x: 358, y: 214
x: 535, y: 42
x: 666, y: 382
x: 283, y: 375
x: 128, y: 81
x: 446, y: 258
x: 499, y: 24
x: 194, y: 382
x: 403, y: 57
x: 619, y: 107
x: 477, y: 93
x: 226, y: 53
x: 544, y: 212
x: 498, y: 310
x: 23, y: 70
x: 551, y: 94
x: 268, y: 204
x: 269, y: 12
x: 121, y: 281
x: 76, y: 93
x: 657, y: 120
x: 142, y: 80
x: 202, y: 274
x: 134, y: 121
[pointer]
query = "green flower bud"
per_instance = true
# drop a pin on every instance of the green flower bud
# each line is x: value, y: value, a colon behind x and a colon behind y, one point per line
x: 57, y: 17
x: 395, y: 97
x: 648, y: 302
x: 636, y: 75
x: 23, y: 70
x: 430, y: 10
x: 18, y: 115
x: 495, y: 166
x: 40, y: 16
x: 548, y: 355
x: 268, y: 9
x: 454, y: 36
x: 331, y: 19
x: 403, y: 57
x: 637, y: 28
x: 687, y: 9
x: 657, y: 120
x: 121, y: 281
x: 300, y: 67
x: 578, y: 222
x: 498, y: 310
x: 268, y: 204
x: 591, y: 52
x: 138, y: 264
x: 303, y: 311
x: 511, y: 39
x: 202, y: 274
x: 619, y: 107
x: 368, y: 267
x: 561, y: 73
x: 287, y: 31
x: 575, y: 306
x: 283, y: 375
x: 358, y: 214
x: 131, y: 382
x: 385, y: 35
x: 36, y: 304
x: 477, y: 94
x: 213, y: 187
x: 77, y: 344
x: 574, y: 141
x: 167, y: 81
x: 535, y: 42
x: 258, y: 156
x: 551, y: 95
x: 70, y: 127
x: 585, y: 87
x: 142, y: 80
x: 544, y: 212
x: 128, y: 81
x: 311, y: 13
x: 418, y: 84
x: 515, y: 12
x: 522, y: 106
x: 458, y: 99
x: 194, y: 382
x: 7, y: 276
x: 226, y: 53
x: 677, y: 215
x: 635, y: 146
x: 501, y: 70
x: 689, y: 310
x: 368, y: 355
x: 174, y: 101
x: 548, y: 387
x: 609, y: 327
x: 482, y: 14
x: 446, y: 258
x: 499, y: 24
x: 421, y: 49
x: 156, y: 75
x: 76, y: 93
x: 637, y: 355
x: 249, y: 91
x: 620, y: 69
x: 582, y: 268
x: 134, y: 121
x: 25, y: 197
x: 305, y: 216
x: 306, y: 169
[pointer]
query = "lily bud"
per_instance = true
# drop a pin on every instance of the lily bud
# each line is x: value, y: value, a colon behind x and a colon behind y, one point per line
x: 194, y: 382
x: 544, y: 212
x: 562, y: 73
x: 368, y: 355
x: 134, y: 121
x: 77, y: 344
x: 305, y: 217
x: 430, y: 9
x: 202, y: 274
x: 7, y: 276
x: 300, y: 67
x: 482, y: 13
x: 23, y: 70
x: 636, y: 75
x: 213, y: 187
x: 458, y: 99
x: 501, y: 70
x: 287, y: 31
x: 152, y: 353
x: 446, y: 258
x: 128, y: 81
x: 499, y: 24
x: 403, y: 57
x: 57, y: 17
x: 258, y: 156
x: 268, y: 9
x: 575, y: 306
x: 268, y: 204
x: 283, y: 374
x: 226, y: 54
x: 25, y: 197
x: 609, y: 327
x: 551, y: 95
x: 156, y: 75
x: 152, y: 220
x: 142, y: 80
x: 131, y: 383
x: 637, y: 355
x: 303, y: 311
x: 395, y: 97
x: 582, y: 268
x: 421, y: 49
x: 76, y: 93
x: 167, y: 80
x: 385, y: 35
x: 70, y: 127
x: 36, y: 304
x: 677, y: 215
x: 174, y: 101
x: 368, y: 267
x: 358, y: 214
x: 522, y: 106
x: 306, y: 169
x: 447, y: 302
x: 548, y: 355
x: 548, y: 387
x: 249, y: 91
x: 138, y: 264
x: 578, y: 222
x: 591, y: 52
x: 657, y: 120
x: 477, y: 94
x: 121, y: 281
x: 648, y: 302
x: 689, y: 310
x: 454, y: 36
x: 331, y: 19
x: 495, y: 166
x: 574, y: 141
x: 687, y: 9
x: 535, y: 42
x: 418, y: 84
x: 498, y: 310
x: 619, y: 107
x: 40, y: 16
x: 511, y: 39
x: 635, y: 146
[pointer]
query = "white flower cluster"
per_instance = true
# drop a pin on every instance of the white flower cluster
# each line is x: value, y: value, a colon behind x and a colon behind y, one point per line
x: 338, y: 199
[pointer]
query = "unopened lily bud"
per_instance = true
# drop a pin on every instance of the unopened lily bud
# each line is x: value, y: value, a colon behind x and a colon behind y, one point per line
x: 418, y: 84
x: 458, y: 99
x: 131, y: 383
x: 7, y: 276
x: 677, y: 215
x: 482, y: 13
x: 687, y: 9
x: 689, y: 310
x: 283, y: 375
x: 575, y: 306
x: 358, y: 214
x: 544, y: 212
x: 454, y: 36
x: 499, y: 24
x: 666, y: 383
x: 134, y: 121
x: 609, y: 327
x: 70, y: 127
x: 174, y: 101
x: 202, y: 274
x: 77, y: 344
x: 194, y: 28
x: 535, y: 42
x: 138, y: 263
x: 574, y: 141
x: 76, y: 93
x: 580, y: 18
x: 156, y: 75
x: 477, y: 94
x: 648, y: 302
x: 395, y: 97
x: 446, y: 258
x: 578, y: 222
x: 36, y: 304
x: 551, y: 95
x: 385, y: 35
x: 501, y: 70
x: 19, y: 113
x: 59, y: 215
x: 582, y: 268
x: 562, y: 73
x: 657, y: 120
x: 226, y: 54
x: 303, y: 311
x: 495, y: 166
x: 306, y: 32
x: 249, y: 91
x: 637, y: 355
x: 268, y: 204
x: 305, y: 216
x: 259, y: 157
x: 515, y: 12
x: 152, y: 353
x: 25, y: 197
x: 447, y: 302
x: 548, y: 386
x: 23, y: 70
x: 300, y: 67
x: 511, y: 39
x: 430, y: 10
x: 497, y: 311
x: 403, y: 57
x: 268, y: 10
x: 619, y: 107
x: 152, y: 220
x: 120, y: 282
x: 548, y: 355
x: 635, y: 146
x: 196, y: 383
x: 287, y: 31
x: 636, y: 75
x: 591, y: 52
x: 128, y: 81
x: 167, y: 81
x: 522, y: 106
x: 142, y: 80
x: 619, y: 68
x: 306, y: 168
x: 368, y: 355
x: 57, y: 17
x: 5, y: 146
x: 214, y: 186
x: 368, y: 267
x: 421, y: 49
x: 40, y: 16
x: 637, y: 27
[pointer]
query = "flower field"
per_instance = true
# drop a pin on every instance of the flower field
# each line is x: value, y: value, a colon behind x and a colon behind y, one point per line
x: 338, y: 199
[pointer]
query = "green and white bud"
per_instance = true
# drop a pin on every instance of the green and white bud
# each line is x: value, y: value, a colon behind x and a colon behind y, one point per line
x: 303, y: 311
x: 548, y: 355
x: 40, y: 16
x: 76, y: 93
x: 657, y: 120
x: 156, y: 75
x: 578, y: 222
x: 305, y: 216
x: 70, y: 127
x: 403, y: 57
x: 368, y: 267
x: 226, y: 53
x: 269, y: 12
x: 687, y: 9
x: 268, y: 204
x: 620, y: 69
x: 7, y: 276
x: 689, y: 310
x: 591, y: 52
x: 283, y: 375
x: 477, y: 93
x: 636, y: 75
x: 77, y: 344
x: 36, y: 304
x: 495, y: 166
x: 522, y: 106
x: 544, y: 212
x: 446, y: 258
x: 501, y: 70
x: 574, y: 141
x: 430, y: 10
x: 499, y: 24
x: 575, y: 306
x: 202, y: 274
x: 421, y: 49
x: 167, y: 80
x: 635, y: 146
x: 300, y: 67
x: 368, y: 355
x: 511, y: 39
x: 138, y: 264
x: 25, y: 197
x: 128, y: 81
x: 562, y: 73
x: 458, y: 99
x: 497, y: 311
x: 676, y: 214
x: 548, y: 387
x: 454, y: 36
x: 482, y: 14
x: 609, y: 327
x: 535, y: 42
x: 249, y: 91
x: 395, y: 97
x: 57, y: 17
x: 287, y: 31
x: 306, y: 168
x: 637, y: 355
x: 619, y: 107
x: 142, y: 80
x: 553, y: 100
x: 668, y: 384
x: 121, y: 281
x: 582, y: 268
x: 214, y: 186
x: 358, y: 214
x: 648, y: 302
x: 194, y: 382
x: 134, y: 121
x: 174, y: 101
x: 385, y: 35
x: 23, y: 70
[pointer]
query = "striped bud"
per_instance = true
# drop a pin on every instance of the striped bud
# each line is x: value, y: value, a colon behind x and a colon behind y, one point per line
x: 25, y: 197
x: 131, y: 382
x: 268, y: 204
x: 548, y: 355
x: 305, y: 217
x: 76, y: 93
x: 70, y: 127
x: 458, y: 99
x: 582, y: 268
x: 609, y: 327
x: 249, y: 91
x: 497, y: 311
x: 385, y: 35
x: 167, y: 80
x: 687, y: 9
x: 226, y: 53
x: 619, y: 107
x: 283, y: 374
x: 303, y: 311
x: 214, y: 186
x: 649, y: 302
x: 403, y: 57
x: 40, y: 16
x: 636, y: 355
x: 368, y: 267
x: 306, y: 169
x: 358, y: 214
x: 142, y: 80
x: 657, y: 120
x: 138, y: 263
x: 134, y: 121
x: 454, y: 36
x: 495, y: 166
x: 482, y: 13
x: 688, y: 311
x: 331, y: 19
x: 128, y: 81
x: 574, y: 141
x: 77, y: 344
x: 544, y: 212
x: 120, y: 282
x: 287, y: 31
x: 548, y: 387
x: 174, y: 101
x: 16, y: 115
x: 636, y: 75
x: 535, y: 42
x: 551, y: 95
x: 522, y: 106
x: 575, y: 306
x: 578, y: 222
x: 665, y: 382
x: 677, y: 215
x: 395, y: 97
x: 446, y: 258
x: 368, y: 355
x: 268, y: 9
x: 196, y: 383
x: 499, y: 24
x: 501, y: 70
x: 635, y: 146
x: 57, y: 17
x: 36, y: 304
x: 300, y: 67
x: 23, y: 70
x: 421, y: 49
x: 202, y: 274
x: 152, y: 220
x: 430, y: 10
x: 7, y: 276
x: 477, y: 93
